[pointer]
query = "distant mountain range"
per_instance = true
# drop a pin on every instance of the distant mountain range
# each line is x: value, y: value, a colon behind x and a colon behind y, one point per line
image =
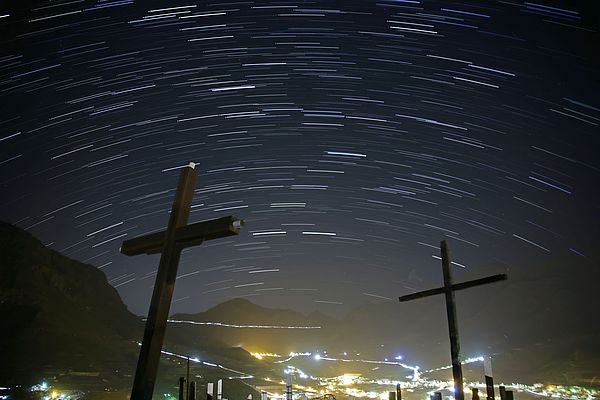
x: 292, y: 330
x: 61, y: 317
x: 538, y: 326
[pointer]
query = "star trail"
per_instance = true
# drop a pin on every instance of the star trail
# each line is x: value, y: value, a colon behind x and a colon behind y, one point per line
x: 351, y: 136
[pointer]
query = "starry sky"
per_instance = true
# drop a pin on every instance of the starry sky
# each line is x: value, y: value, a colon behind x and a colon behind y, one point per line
x: 351, y: 136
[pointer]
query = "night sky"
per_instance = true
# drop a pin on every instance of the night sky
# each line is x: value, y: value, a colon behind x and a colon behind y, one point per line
x: 351, y: 136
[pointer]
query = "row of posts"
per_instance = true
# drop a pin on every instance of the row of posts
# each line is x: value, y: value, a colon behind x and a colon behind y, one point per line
x: 191, y: 390
x: 489, y: 387
x: 504, y: 395
x: 397, y: 395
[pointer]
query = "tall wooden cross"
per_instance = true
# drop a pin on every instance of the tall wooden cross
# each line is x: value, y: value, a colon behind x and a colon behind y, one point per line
x: 448, y: 290
x: 170, y: 243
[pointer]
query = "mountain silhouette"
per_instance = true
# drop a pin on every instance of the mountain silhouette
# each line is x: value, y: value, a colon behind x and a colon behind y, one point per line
x: 243, y: 321
x: 244, y: 312
x: 57, y: 313
x: 63, y: 321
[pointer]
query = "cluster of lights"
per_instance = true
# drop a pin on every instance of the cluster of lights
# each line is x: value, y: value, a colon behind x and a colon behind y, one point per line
x: 349, y: 384
x: 318, y: 357
x: 296, y: 372
x: 261, y: 356
x: 49, y: 394
x: 561, y: 392
x: 196, y: 360
x: 40, y: 387
x: 467, y: 361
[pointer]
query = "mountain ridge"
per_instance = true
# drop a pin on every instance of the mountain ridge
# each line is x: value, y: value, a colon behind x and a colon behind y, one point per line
x: 46, y: 299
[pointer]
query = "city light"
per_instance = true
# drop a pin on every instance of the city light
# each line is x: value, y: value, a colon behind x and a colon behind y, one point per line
x: 356, y: 385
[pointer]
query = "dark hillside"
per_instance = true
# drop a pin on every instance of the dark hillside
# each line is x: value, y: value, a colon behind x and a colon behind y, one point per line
x: 57, y: 313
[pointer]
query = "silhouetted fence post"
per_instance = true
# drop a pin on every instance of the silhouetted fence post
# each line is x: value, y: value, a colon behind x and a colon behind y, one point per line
x: 181, y: 386
x: 288, y: 387
x: 192, y: 391
x: 489, y: 378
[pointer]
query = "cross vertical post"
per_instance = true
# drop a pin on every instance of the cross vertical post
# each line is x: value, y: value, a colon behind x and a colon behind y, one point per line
x: 187, y: 377
x: 170, y: 243
x: 154, y: 332
x: 452, y: 325
x: 448, y: 291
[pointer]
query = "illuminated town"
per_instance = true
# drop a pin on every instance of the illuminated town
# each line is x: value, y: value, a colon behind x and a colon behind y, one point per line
x: 414, y: 383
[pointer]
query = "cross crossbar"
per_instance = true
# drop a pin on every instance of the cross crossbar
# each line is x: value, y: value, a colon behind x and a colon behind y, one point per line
x: 185, y: 236
x: 455, y: 287
x: 170, y: 243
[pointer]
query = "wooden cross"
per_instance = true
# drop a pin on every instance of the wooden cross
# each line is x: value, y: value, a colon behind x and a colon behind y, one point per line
x: 170, y: 243
x: 448, y: 290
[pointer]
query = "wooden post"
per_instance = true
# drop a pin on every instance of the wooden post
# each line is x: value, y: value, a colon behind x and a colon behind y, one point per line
x: 452, y: 324
x: 391, y: 395
x: 181, y: 387
x: 475, y: 395
x: 187, y: 375
x: 192, y: 391
x: 398, y: 392
x: 502, y: 392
